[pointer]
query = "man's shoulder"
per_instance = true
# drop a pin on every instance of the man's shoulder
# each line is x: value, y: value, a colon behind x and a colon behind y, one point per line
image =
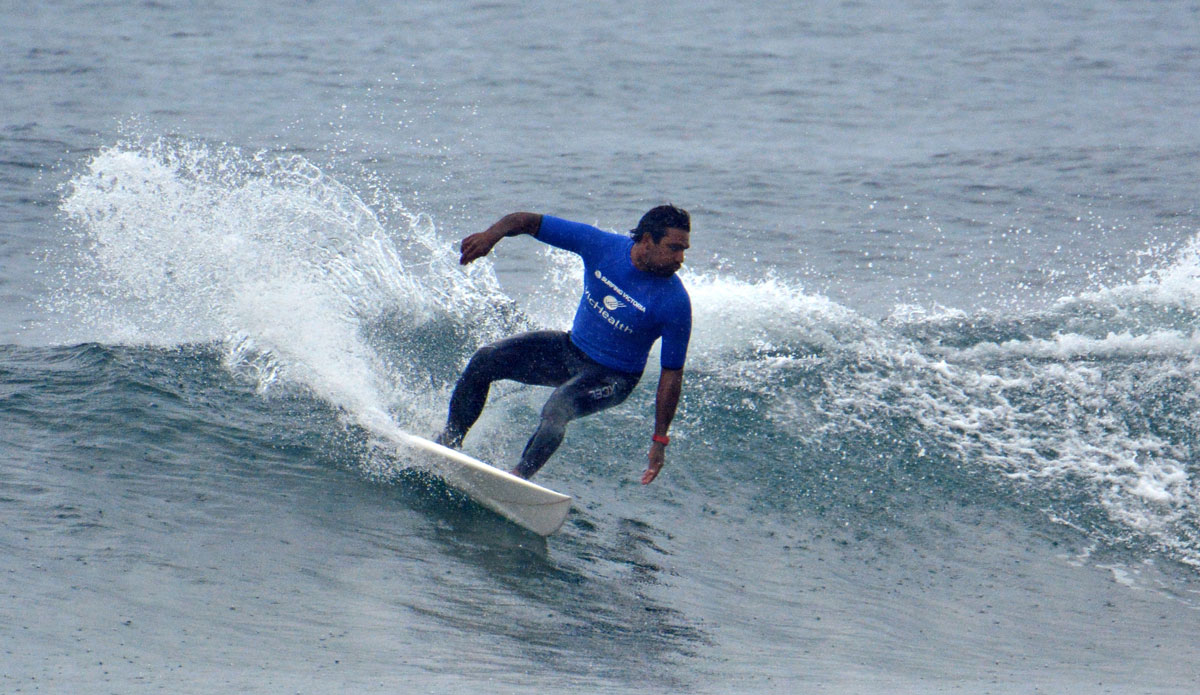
x: 676, y: 287
x: 673, y: 296
x: 562, y: 232
x: 561, y: 225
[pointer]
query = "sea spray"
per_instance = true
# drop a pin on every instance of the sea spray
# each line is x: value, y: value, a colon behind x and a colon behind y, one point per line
x: 281, y: 264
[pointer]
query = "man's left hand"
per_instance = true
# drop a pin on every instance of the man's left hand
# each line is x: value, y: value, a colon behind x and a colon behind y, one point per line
x: 658, y: 456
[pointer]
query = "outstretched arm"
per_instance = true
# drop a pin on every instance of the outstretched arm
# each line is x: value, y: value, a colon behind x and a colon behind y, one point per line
x: 479, y: 245
x: 670, y: 385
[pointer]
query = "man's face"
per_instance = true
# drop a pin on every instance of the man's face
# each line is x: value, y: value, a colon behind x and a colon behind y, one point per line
x: 665, y: 257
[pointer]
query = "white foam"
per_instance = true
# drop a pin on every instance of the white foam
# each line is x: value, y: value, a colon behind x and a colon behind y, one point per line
x: 1122, y: 575
x: 1177, y: 282
x: 1065, y: 411
x: 1067, y: 346
x: 768, y: 316
x: 270, y: 257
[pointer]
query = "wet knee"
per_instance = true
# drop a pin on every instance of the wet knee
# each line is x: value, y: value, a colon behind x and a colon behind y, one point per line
x: 557, y: 415
x: 482, y: 362
x: 484, y: 355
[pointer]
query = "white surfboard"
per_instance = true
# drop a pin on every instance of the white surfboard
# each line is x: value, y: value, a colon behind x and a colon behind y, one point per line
x: 526, y: 504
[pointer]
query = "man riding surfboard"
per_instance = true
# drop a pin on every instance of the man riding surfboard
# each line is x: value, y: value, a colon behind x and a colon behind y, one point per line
x: 631, y: 298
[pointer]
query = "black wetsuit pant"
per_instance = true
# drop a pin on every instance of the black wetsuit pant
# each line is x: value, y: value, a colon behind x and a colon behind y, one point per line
x: 541, y: 358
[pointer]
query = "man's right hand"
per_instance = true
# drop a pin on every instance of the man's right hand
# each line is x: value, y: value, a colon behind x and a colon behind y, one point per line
x: 479, y: 245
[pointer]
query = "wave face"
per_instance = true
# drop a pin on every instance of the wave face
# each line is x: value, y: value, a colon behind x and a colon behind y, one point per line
x: 1085, y: 410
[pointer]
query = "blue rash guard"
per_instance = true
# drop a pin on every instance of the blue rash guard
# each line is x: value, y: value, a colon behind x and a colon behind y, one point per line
x: 623, y: 310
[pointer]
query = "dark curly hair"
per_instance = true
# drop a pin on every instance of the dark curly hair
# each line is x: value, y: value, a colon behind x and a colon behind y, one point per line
x: 658, y: 220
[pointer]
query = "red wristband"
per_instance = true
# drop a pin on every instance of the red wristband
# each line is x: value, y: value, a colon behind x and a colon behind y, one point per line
x: 661, y: 439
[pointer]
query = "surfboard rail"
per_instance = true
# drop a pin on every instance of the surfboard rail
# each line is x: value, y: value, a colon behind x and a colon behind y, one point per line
x: 525, y: 503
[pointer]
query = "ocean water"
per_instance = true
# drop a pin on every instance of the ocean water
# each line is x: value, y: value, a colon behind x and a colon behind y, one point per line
x: 939, y: 431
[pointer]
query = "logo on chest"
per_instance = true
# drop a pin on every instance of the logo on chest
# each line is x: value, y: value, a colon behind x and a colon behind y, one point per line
x: 604, y: 308
x: 619, y: 298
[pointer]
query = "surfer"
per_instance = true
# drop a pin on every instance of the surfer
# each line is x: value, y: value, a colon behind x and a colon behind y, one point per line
x: 631, y: 298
